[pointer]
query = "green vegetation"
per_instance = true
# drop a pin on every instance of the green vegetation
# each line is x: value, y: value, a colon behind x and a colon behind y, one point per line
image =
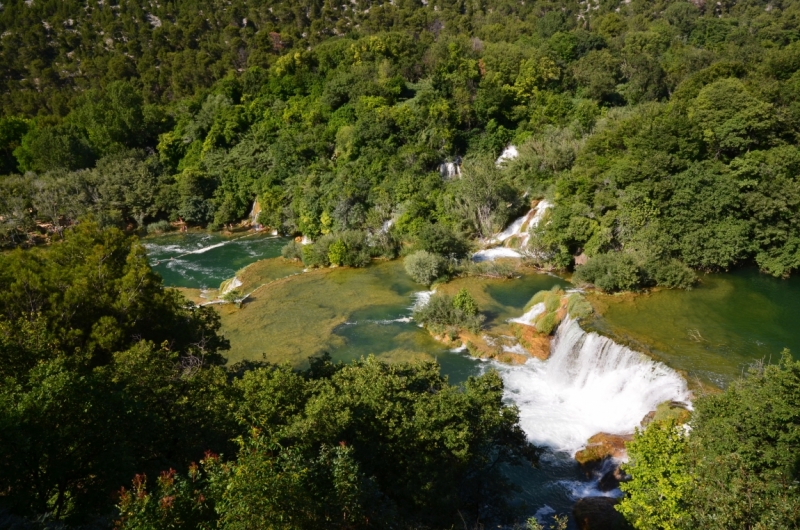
x: 735, y: 468
x: 578, y: 307
x: 318, y: 444
x: 444, y: 314
x: 554, y: 301
x: 104, y: 374
x: 425, y: 267
x: 109, y: 378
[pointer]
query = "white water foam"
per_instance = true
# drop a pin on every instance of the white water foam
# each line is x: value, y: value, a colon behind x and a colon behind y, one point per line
x: 421, y: 299
x: 230, y: 285
x: 590, y: 384
x: 529, y: 318
x: 509, y: 153
x: 491, y: 254
x: 519, y: 229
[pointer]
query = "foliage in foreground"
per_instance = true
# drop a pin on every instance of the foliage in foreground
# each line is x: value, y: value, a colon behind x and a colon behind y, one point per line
x: 105, y: 375
x: 364, y: 445
x: 736, y: 468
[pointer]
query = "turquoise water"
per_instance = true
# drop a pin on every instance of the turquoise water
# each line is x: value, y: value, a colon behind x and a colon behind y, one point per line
x: 712, y: 332
x: 204, y: 260
x: 383, y: 329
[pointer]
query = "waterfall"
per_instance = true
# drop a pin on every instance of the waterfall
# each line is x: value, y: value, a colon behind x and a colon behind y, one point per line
x: 254, y: 214
x: 450, y: 170
x: 513, y: 241
x: 590, y: 384
x: 509, y: 153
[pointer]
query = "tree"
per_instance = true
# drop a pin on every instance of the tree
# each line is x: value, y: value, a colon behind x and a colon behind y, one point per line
x: 364, y: 445
x: 464, y: 301
x: 656, y: 497
x: 735, y: 468
x: 732, y: 119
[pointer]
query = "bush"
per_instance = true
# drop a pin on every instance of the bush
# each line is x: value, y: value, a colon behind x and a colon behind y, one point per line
x: 612, y: 272
x: 673, y: 274
x: 159, y: 227
x: 464, y: 301
x: 337, y: 252
x: 618, y: 271
x: 441, y: 315
x: 383, y: 245
x: 316, y: 254
x: 348, y: 249
x: 424, y: 267
x: 292, y: 250
x: 439, y: 239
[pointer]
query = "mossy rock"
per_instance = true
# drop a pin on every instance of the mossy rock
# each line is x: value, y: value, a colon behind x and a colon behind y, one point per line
x: 601, y: 446
x: 578, y: 307
x: 547, y: 323
x: 671, y: 410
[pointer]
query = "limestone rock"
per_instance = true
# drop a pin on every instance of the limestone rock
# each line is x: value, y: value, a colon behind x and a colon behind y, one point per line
x: 601, y: 446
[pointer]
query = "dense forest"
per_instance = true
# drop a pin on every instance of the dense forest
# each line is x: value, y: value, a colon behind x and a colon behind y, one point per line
x: 663, y: 132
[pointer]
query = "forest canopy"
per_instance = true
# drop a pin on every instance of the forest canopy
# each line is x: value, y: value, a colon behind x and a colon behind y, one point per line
x: 664, y: 132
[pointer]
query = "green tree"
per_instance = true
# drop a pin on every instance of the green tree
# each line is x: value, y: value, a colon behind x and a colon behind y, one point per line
x: 661, y: 481
x: 464, y: 301
x: 732, y: 119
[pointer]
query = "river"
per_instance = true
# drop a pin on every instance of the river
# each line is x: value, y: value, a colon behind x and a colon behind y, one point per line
x: 589, y: 384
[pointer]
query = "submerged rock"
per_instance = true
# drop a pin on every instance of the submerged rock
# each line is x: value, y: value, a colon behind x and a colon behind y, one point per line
x: 598, y: 513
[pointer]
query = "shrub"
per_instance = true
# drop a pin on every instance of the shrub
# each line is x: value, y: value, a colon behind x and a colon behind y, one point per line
x: 337, y: 252
x: 292, y: 250
x: 316, y: 254
x: 615, y: 271
x: 383, y: 245
x: 672, y: 273
x: 441, y: 315
x: 439, y: 239
x: 233, y: 296
x: 424, y: 267
x: 348, y: 249
x: 159, y: 227
x: 464, y: 301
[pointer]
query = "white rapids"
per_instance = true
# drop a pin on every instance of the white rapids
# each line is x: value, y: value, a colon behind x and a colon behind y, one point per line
x: 590, y: 384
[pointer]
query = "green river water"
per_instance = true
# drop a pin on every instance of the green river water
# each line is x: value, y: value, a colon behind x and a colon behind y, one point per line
x: 711, y: 332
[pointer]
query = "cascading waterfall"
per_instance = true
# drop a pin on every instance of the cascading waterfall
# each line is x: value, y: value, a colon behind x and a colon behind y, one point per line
x: 254, y: 213
x: 590, y: 384
x: 450, y: 170
x: 513, y: 240
x: 509, y: 153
